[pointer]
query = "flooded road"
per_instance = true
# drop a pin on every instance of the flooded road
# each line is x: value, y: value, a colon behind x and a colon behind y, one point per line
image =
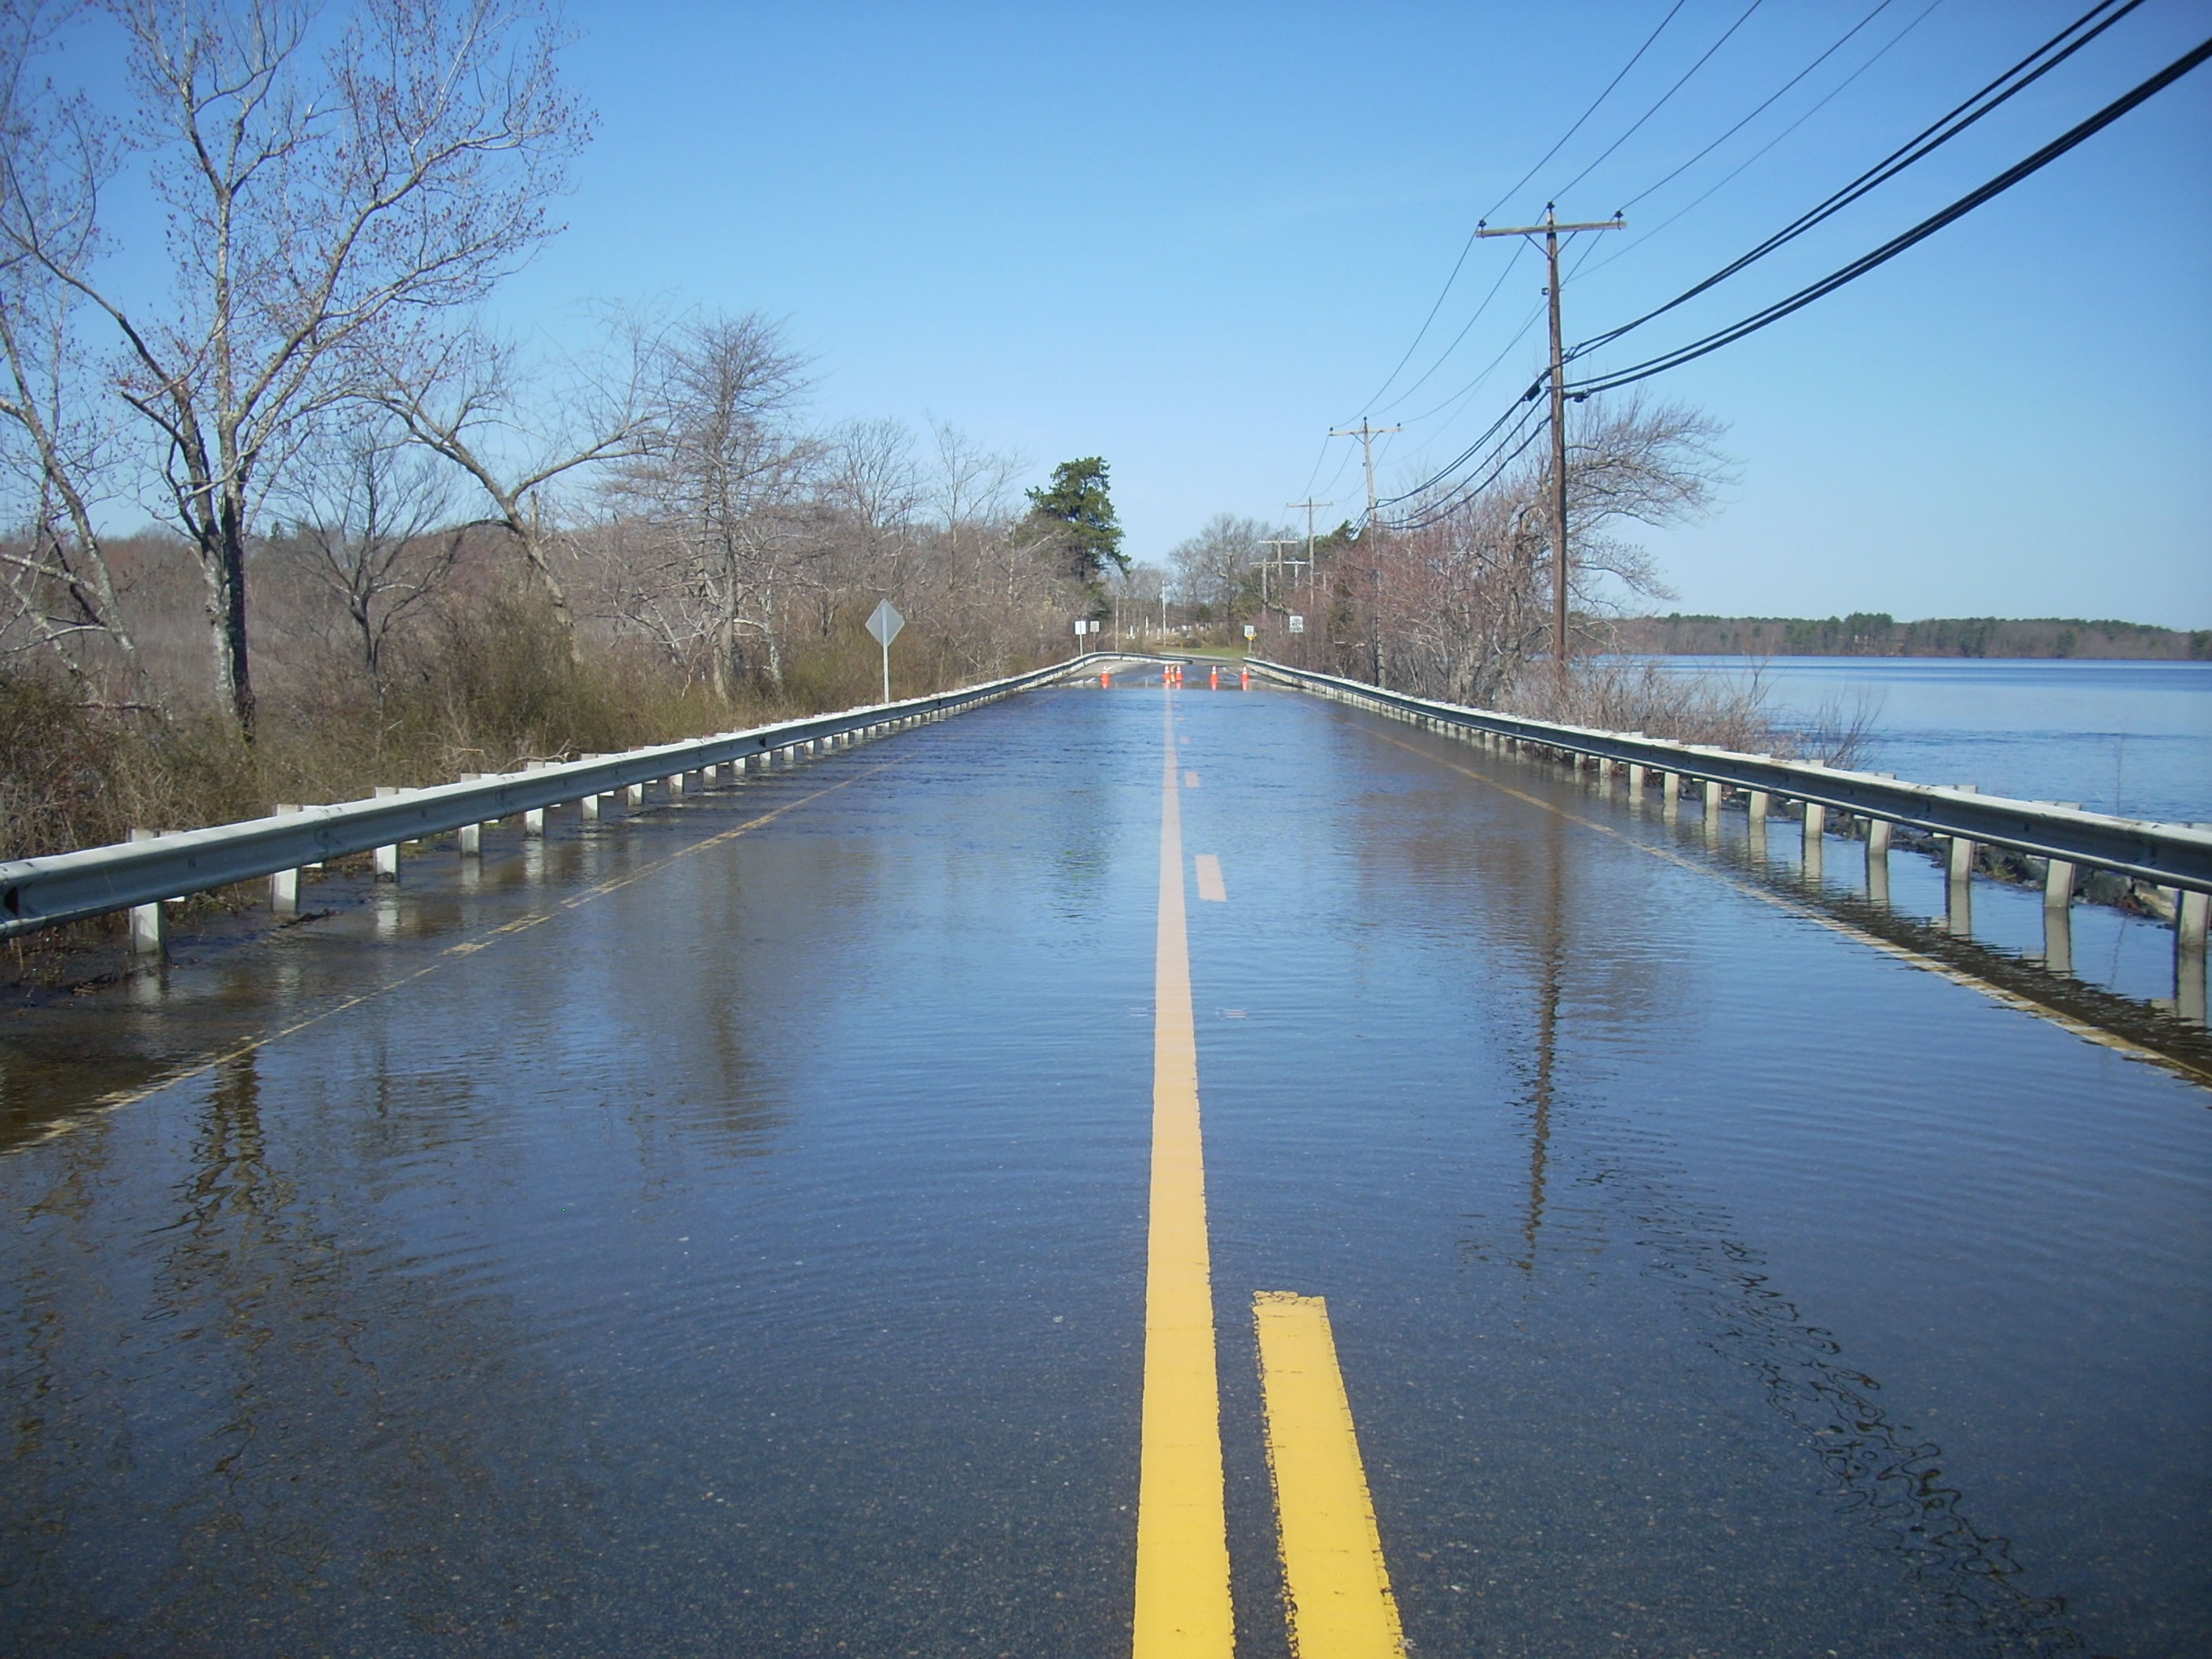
x: 730, y: 1229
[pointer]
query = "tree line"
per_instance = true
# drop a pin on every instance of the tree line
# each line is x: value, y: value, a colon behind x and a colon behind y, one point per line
x: 345, y: 458
x: 1460, y: 608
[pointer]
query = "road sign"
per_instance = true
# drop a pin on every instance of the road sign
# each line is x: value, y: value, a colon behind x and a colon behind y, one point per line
x: 1250, y: 632
x: 884, y: 623
x: 1298, y: 623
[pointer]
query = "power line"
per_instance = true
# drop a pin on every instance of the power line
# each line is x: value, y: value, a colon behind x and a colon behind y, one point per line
x: 1587, y: 114
x: 1760, y: 154
x: 2074, y: 137
x: 1512, y: 449
x: 2014, y: 80
x: 1535, y: 312
x: 1458, y: 264
x: 1663, y: 98
x: 1841, y: 41
x: 1445, y: 357
x: 1897, y: 245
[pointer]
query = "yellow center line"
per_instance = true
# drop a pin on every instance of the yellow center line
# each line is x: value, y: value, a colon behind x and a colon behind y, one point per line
x: 1182, y: 1533
x: 1334, y: 1574
x: 2004, y: 996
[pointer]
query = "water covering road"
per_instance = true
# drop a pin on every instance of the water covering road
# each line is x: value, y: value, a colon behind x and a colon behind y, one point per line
x: 724, y: 1230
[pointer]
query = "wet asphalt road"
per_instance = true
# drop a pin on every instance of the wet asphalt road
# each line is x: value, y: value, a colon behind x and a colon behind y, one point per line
x: 722, y: 1229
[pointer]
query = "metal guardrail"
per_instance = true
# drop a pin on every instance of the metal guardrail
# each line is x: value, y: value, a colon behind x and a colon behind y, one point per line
x: 42, y: 892
x: 2166, y: 854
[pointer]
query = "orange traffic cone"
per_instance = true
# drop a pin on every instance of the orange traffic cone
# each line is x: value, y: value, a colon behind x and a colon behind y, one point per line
x: 1213, y: 679
x: 1244, y: 681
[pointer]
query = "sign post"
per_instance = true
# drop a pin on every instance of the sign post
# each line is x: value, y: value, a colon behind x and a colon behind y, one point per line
x: 884, y: 623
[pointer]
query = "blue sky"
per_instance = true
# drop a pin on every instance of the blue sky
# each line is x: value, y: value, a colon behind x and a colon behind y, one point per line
x: 1191, y: 239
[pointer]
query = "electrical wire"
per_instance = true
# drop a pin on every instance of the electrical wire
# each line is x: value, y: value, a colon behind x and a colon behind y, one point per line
x: 1462, y: 261
x: 2014, y: 80
x: 1436, y: 511
x: 1519, y: 335
x: 1867, y: 262
x: 1446, y: 357
x: 1663, y: 98
x: 1841, y: 42
x: 1544, y: 160
x: 1518, y: 412
x: 1757, y: 155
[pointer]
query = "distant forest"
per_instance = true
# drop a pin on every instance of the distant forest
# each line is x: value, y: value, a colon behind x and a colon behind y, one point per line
x: 1876, y: 634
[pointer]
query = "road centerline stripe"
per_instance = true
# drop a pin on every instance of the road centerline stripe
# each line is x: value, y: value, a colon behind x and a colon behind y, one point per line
x: 1183, y: 1602
x: 1334, y: 1574
x: 1210, y: 885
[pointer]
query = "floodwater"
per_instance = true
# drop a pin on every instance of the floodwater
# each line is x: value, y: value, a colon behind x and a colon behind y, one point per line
x: 2130, y: 737
x: 723, y: 1230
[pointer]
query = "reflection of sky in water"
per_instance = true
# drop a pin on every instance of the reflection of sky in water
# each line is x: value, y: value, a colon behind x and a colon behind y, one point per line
x: 2129, y: 737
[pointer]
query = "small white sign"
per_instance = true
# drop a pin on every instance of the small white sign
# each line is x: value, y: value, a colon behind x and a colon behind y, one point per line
x: 884, y: 623
x: 1298, y: 623
x: 1250, y: 632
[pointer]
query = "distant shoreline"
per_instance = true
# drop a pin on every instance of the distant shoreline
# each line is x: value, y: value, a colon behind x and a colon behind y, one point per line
x: 1875, y: 634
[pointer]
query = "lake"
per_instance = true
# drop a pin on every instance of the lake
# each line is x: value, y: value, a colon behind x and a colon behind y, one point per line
x: 2131, y: 737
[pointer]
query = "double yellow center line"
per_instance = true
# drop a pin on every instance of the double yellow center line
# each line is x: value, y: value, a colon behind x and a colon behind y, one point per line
x: 1340, y: 1605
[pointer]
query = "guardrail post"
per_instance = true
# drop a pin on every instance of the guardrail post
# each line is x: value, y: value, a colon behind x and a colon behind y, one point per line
x: 1637, y: 783
x: 2190, y: 910
x: 469, y: 838
x: 1958, y: 881
x: 387, y: 857
x: 1670, y: 795
x: 149, y: 924
x: 675, y: 786
x: 2058, y: 916
x: 1816, y: 830
x: 587, y: 807
x: 635, y: 795
x: 284, y: 885
x: 1877, y: 860
x: 533, y: 820
x: 1713, y: 793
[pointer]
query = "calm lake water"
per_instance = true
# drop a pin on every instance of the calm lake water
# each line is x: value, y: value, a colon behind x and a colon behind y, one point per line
x: 2133, y: 737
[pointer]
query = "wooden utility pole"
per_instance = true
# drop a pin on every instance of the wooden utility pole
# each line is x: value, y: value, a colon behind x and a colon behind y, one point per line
x: 1367, y: 435
x: 1271, y: 560
x: 1551, y: 230
x: 1310, y: 507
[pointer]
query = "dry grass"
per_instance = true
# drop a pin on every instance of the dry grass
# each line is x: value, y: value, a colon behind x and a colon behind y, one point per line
x: 1723, y: 711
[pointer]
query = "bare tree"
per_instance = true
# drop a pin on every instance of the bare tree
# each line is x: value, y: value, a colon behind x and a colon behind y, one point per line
x: 56, y: 436
x: 872, y: 490
x: 518, y: 431
x: 319, y: 204
x: 1216, y: 569
x: 1458, y: 607
x: 372, y: 511
x: 1140, y: 595
x: 722, y: 482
